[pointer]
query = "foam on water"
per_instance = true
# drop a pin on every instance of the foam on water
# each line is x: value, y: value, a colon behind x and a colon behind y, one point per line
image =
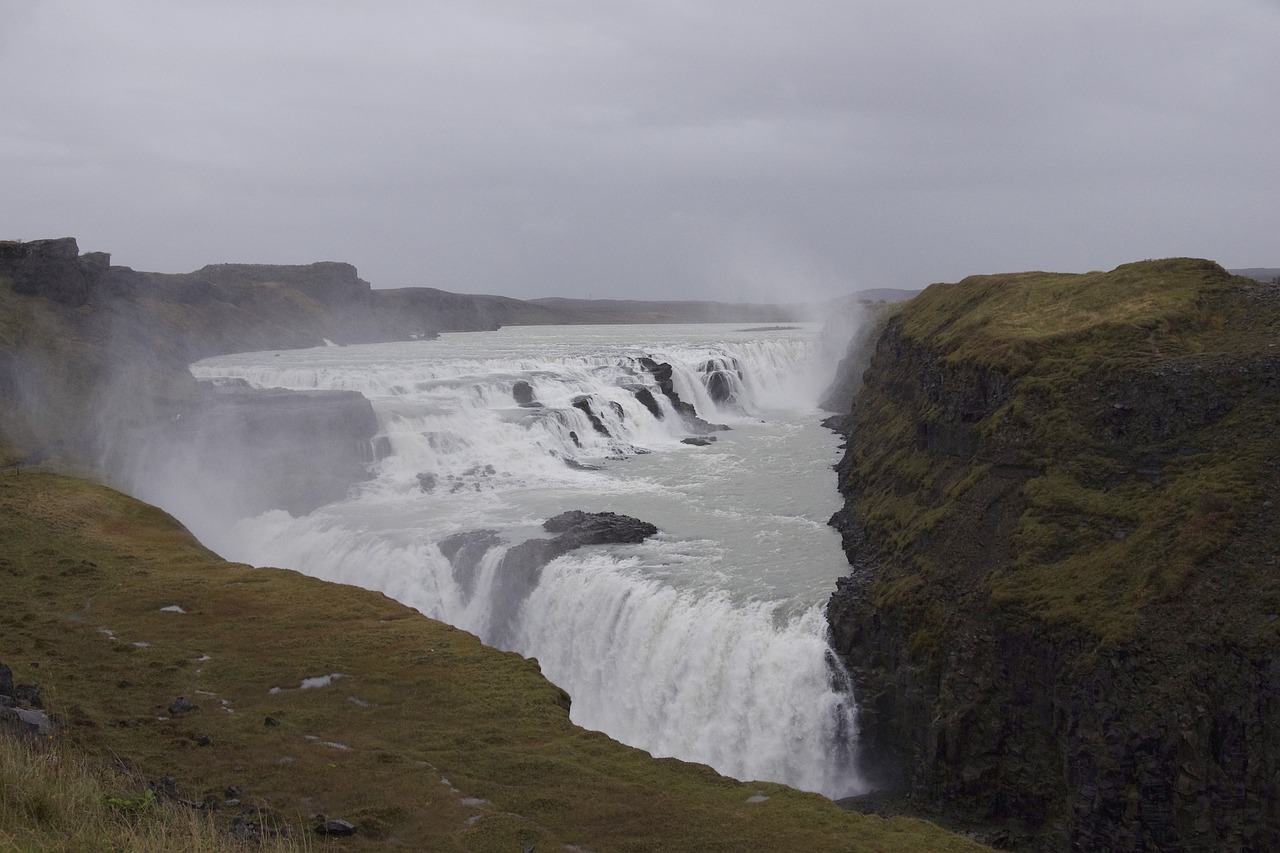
x: 707, y: 642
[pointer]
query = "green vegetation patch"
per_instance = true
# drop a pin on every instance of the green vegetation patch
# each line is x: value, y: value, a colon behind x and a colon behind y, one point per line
x: 1092, y: 449
x: 314, y: 698
x: 1069, y: 324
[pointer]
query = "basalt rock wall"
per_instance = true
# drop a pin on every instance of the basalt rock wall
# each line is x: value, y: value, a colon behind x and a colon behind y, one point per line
x: 53, y: 268
x: 1063, y: 614
x: 93, y: 374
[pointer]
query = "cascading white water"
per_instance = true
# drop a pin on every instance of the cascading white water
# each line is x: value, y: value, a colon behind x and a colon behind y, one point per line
x: 706, y: 642
x: 698, y: 677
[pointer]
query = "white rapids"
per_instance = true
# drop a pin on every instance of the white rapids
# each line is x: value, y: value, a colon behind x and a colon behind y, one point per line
x: 706, y: 642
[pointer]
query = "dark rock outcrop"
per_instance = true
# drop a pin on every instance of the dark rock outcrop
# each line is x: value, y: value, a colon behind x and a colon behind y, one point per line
x: 54, y: 269
x: 522, y: 392
x: 336, y: 828
x: 576, y: 528
x: 22, y: 707
x: 1060, y: 618
x: 464, y: 551
x: 29, y: 696
x: 324, y: 281
x: 583, y: 404
x: 722, y: 377
x: 645, y: 397
x: 662, y: 372
x: 719, y: 386
x: 28, y: 721
x: 522, y: 565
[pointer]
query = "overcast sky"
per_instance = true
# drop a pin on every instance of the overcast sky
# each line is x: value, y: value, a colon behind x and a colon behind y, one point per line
x: 731, y: 149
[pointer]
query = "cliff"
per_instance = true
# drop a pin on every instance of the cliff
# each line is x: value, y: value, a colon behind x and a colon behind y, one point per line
x: 1063, y: 618
x: 237, y: 307
x: 93, y: 376
x: 53, y: 268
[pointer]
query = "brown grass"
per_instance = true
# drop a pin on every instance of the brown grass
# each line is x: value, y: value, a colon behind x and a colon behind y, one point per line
x: 53, y: 800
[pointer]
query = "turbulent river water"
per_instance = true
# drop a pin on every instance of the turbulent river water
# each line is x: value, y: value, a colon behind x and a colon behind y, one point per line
x: 705, y: 642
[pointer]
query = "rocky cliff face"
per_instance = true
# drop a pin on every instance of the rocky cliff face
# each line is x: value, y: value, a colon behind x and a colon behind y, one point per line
x: 235, y: 307
x: 1063, y: 617
x: 53, y: 268
x: 238, y: 451
x: 93, y: 374
x: 325, y: 281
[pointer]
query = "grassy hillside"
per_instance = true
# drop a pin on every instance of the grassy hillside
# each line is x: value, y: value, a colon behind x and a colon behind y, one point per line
x: 1141, y: 401
x: 424, y: 738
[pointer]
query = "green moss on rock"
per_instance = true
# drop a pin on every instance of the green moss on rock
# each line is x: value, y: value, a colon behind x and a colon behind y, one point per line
x: 1070, y: 481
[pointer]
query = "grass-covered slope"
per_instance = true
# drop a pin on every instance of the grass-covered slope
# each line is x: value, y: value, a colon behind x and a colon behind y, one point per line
x: 1142, y: 401
x: 54, y: 800
x: 1060, y: 498
x: 427, y: 740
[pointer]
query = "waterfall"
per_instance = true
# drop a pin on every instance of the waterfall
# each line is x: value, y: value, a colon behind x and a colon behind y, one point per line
x: 697, y: 678
x: 684, y: 645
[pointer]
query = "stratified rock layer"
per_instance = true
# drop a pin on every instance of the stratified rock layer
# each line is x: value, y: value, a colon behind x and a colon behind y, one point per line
x: 1063, y: 618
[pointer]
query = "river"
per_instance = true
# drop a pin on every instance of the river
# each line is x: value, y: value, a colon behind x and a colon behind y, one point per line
x: 706, y: 642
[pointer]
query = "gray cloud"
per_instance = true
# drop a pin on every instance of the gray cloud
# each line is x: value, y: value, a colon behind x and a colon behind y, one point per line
x: 670, y: 149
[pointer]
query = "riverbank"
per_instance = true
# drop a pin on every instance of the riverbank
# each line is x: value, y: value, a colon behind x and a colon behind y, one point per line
x: 303, y: 698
